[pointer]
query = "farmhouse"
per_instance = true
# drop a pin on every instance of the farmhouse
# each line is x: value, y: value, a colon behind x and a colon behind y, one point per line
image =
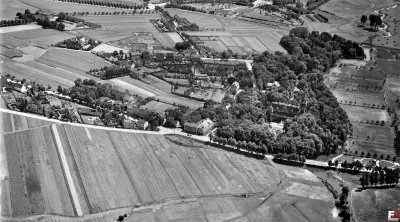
x: 130, y: 123
x: 18, y: 87
x: 54, y: 101
x: 273, y: 85
x: 200, y: 128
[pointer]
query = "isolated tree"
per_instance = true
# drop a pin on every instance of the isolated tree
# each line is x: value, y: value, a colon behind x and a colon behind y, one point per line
x: 59, y: 89
x: 364, y: 19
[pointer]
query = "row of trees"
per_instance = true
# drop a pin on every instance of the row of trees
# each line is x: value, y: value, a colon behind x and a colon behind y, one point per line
x: 243, y: 145
x: 342, y: 204
x: 22, y: 18
x: 106, y: 4
x: 382, y: 176
x: 46, y: 23
x: 313, y: 4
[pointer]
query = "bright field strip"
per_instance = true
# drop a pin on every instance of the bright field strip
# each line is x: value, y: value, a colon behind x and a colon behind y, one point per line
x: 357, y: 114
x: 125, y: 23
x: 57, y: 7
x: 41, y: 36
x: 73, y: 61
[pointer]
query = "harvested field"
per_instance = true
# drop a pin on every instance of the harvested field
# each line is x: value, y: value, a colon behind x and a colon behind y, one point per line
x: 73, y: 61
x: 57, y: 7
x: 159, y: 106
x: 146, y: 90
x: 362, y: 114
x: 126, y: 24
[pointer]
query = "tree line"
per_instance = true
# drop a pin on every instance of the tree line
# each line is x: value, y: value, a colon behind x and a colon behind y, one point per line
x: 383, y: 176
x: 107, y: 4
x: 22, y: 19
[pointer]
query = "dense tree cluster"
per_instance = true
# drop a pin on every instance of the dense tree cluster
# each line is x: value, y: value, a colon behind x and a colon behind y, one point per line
x: 319, y: 128
x: 242, y: 145
x: 77, y: 44
x: 342, y: 204
x: 110, y: 72
x: 182, y: 45
x: 46, y: 23
x: 375, y: 21
x: 382, y: 176
x: 313, y: 4
x: 22, y: 18
x: 283, y: 2
x: 291, y: 159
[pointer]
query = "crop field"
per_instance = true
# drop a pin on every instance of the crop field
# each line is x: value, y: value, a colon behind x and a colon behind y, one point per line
x: 73, y: 61
x: 148, y: 168
x: 146, y: 90
x: 138, y: 42
x: 127, y: 24
x: 41, y: 36
x: 11, y: 42
x: 103, y: 35
x: 159, y: 106
x: 233, y: 32
x: 175, y: 37
x: 40, y: 73
x: 372, y: 138
x: 362, y: 114
x: 158, y: 83
x: 350, y: 71
x: 57, y: 7
x: 37, y: 185
x: 390, y: 68
x: 10, y: 53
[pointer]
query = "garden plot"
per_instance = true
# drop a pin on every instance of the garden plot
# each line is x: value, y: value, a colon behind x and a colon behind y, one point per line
x: 166, y: 40
x: 158, y: 83
x: 175, y: 37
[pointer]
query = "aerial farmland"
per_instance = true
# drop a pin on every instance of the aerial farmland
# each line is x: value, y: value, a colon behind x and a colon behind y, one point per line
x: 129, y: 110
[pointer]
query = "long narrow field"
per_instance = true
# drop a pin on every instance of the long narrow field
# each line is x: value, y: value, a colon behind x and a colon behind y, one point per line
x: 73, y: 61
x: 57, y: 7
x: 40, y: 73
x: 125, y: 23
x: 41, y: 36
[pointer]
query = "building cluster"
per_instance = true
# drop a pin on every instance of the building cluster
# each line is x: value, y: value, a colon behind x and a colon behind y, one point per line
x: 197, y: 125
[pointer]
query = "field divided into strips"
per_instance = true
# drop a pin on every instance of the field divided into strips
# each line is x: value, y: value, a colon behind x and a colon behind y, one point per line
x: 37, y: 184
x: 159, y: 106
x: 57, y: 7
x: 126, y: 23
x: 357, y: 114
x: 73, y: 61
x: 41, y: 36
x: 130, y: 168
x: 103, y: 35
x: 41, y: 73
x: 11, y: 42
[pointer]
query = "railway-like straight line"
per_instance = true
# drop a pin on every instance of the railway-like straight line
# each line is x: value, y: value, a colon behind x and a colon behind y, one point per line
x: 67, y: 172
